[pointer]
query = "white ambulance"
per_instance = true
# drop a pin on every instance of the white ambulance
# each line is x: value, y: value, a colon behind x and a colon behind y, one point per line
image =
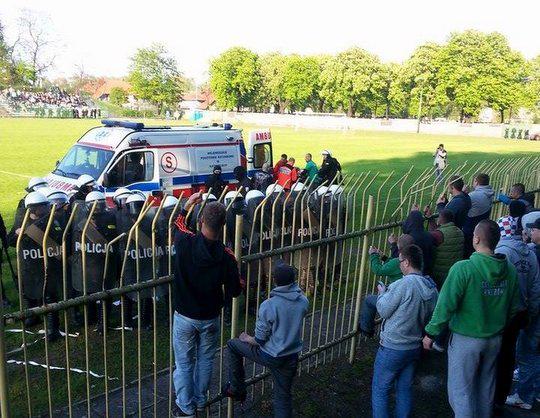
x: 159, y: 159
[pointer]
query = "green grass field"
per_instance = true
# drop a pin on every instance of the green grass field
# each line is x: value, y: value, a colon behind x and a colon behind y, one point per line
x: 30, y: 147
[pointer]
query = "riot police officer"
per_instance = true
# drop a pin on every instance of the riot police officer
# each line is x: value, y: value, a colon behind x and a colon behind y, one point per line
x: 37, y: 281
x: 91, y: 237
x: 85, y: 184
x: 34, y: 184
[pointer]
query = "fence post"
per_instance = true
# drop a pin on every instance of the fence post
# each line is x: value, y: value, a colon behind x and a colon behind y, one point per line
x: 234, y: 309
x: 4, y: 395
x: 363, y: 263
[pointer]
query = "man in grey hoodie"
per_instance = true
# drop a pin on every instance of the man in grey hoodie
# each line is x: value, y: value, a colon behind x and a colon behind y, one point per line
x: 405, y: 308
x: 524, y: 260
x: 481, y: 201
x: 277, y: 342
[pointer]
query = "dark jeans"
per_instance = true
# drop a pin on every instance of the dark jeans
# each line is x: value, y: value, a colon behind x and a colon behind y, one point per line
x: 393, y: 369
x: 283, y: 372
x: 368, y: 311
x: 506, y: 361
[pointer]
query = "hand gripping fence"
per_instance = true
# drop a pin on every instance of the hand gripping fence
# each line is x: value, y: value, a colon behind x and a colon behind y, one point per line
x: 104, y: 367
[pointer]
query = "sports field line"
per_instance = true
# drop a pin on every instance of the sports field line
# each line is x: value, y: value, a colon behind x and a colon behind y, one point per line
x: 15, y: 174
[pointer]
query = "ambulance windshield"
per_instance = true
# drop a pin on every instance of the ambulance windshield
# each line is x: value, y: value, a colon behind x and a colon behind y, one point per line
x: 81, y: 159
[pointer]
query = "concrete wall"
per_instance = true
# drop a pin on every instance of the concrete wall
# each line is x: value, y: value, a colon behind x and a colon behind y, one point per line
x: 343, y: 122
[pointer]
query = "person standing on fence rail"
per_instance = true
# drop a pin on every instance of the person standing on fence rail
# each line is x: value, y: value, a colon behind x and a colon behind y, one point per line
x: 203, y: 267
x: 277, y: 342
x: 477, y: 301
x: 460, y: 203
x: 481, y: 202
x: 405, y: 308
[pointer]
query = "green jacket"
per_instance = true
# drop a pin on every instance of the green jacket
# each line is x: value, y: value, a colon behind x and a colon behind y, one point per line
x: 448, y: 253
x: 478, y: 297
x: 311, y: 169
x: 389, y: 269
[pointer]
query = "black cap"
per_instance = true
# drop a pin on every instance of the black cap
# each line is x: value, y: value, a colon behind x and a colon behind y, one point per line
x: 535, y: 224
x: 283, y: 274
x: 217, y: 168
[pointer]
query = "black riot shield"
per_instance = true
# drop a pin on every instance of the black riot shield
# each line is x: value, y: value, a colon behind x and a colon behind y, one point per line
x: 138, y: 265
x: 91, y: 238
x: 30, y: 256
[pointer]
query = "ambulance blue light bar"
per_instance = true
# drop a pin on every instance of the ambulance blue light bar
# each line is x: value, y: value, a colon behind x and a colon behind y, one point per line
x: 109, y: 123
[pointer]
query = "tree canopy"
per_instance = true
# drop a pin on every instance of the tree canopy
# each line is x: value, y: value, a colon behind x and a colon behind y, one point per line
x: 155, y: 77
x: 472, y: 70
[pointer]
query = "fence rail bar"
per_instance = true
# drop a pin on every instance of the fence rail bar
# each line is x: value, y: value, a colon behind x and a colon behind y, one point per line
x: 83, y: 300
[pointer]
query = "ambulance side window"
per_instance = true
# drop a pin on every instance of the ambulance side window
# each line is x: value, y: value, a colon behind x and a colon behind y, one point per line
x: 262, y: 153
x: 133, y: 167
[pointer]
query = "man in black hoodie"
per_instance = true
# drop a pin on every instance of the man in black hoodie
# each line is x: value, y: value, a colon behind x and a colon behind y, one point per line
x: 414, y: 226
x: 203, y: 267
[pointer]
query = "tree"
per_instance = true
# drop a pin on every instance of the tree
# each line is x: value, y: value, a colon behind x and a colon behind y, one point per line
x: 347, y: 81
x: 154, y: 76
x: 417, y: 77
x: 35, y: 44
x: 300, y: 80
x: 479, y: 69
x: 118, y: 96
x: 235, y: 79
x: 272, y: 71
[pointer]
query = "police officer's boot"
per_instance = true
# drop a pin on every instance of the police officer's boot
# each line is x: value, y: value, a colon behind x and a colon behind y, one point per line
x: 146, y: 313
x: 53, y: 326
x: 33, y: 320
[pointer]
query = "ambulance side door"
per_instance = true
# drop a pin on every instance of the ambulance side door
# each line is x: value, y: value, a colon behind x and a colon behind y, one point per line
x: 135, y: 169
x: 175, y: 168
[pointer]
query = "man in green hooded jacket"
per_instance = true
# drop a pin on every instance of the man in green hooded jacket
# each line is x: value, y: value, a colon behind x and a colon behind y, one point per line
x: 478, y: 298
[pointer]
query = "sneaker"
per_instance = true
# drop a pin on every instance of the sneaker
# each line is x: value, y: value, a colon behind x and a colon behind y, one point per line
x: 515, y: 377
x: 515, y: 400
x: 177, y: 412
x: 438, y: 347
x: 227, y: 392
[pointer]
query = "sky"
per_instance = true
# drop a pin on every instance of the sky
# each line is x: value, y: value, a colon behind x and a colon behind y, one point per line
x: 101, y: 35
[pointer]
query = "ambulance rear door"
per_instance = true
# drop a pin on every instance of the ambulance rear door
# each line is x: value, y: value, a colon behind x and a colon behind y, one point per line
x: 259, y: 150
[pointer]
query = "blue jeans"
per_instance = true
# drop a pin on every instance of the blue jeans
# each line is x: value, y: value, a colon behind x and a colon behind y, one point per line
x: 528, y: 360
x: 368, y: 311
x: 393, y: 368
x: 194, y: 343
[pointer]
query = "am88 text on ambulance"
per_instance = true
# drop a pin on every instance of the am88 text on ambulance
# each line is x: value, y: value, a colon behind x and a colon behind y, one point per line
x: 159, y: 159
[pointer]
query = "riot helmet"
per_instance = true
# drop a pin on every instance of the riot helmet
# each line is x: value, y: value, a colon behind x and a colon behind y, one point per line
x: 134, y: 204
x: 98, y: 197
x: 37, y: 203
x: 36, y: 183
x: 55, y: 197
x: 120, y: 196
x: 252, y: 194
x: 273, y: 188
x: 85, y: 183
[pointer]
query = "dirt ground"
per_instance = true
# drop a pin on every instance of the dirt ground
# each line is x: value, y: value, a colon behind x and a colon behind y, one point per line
x: 341, y: 390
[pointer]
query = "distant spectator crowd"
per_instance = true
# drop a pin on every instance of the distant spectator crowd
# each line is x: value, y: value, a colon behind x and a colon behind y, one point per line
x: 53, y: 103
